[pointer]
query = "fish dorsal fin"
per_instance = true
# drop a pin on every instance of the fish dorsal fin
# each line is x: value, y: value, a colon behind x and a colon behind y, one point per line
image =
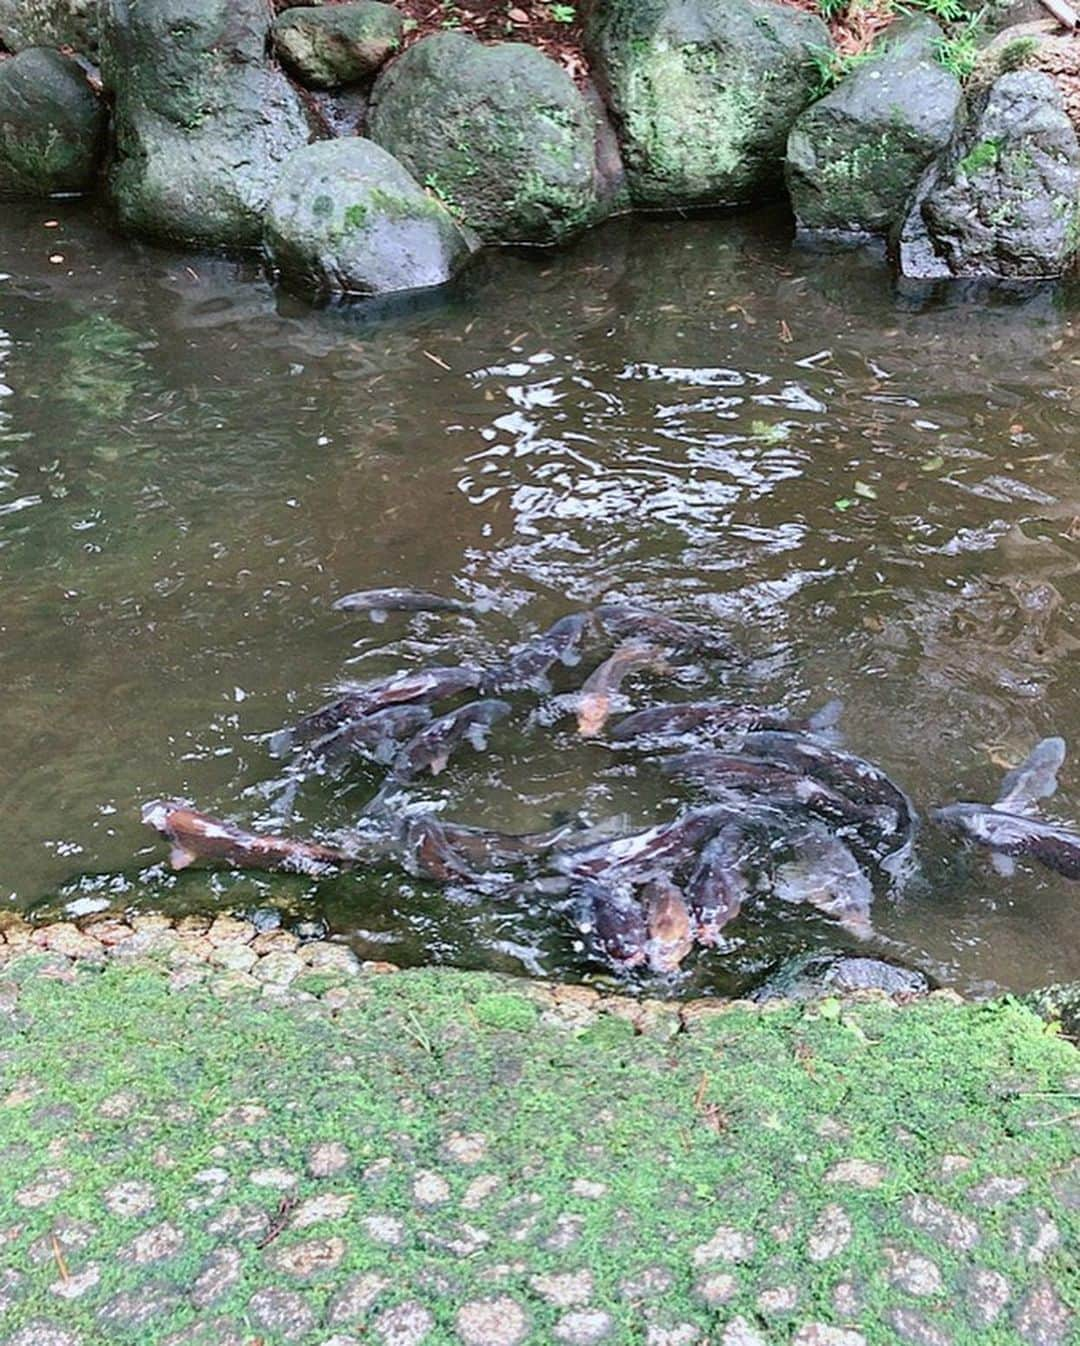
x: 1034, y: 779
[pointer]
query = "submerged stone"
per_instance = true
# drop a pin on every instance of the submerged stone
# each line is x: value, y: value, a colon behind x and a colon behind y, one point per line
x: 500, y: 132
x: 338, y: 44
x: 346, y: 217
x: 203, y: 119
x: 52, y: 125
x: 855, y: 156
x: 1002, y: 198
x: 49, y: 23
x: 813, y: 975
x: 703, y: 93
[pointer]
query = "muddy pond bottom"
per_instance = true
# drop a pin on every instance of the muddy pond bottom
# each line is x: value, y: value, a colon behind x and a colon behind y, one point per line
x: 873, y: 494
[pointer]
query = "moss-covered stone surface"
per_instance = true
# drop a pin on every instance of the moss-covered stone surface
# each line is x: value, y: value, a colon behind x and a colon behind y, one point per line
x: 52, y: 125
x: 500, y: 133
x: 449, y: 1157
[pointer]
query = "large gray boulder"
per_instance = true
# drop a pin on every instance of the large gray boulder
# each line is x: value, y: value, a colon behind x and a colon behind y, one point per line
x: 49, y: 23
x: 1003, y: 198
x: 703, y: 93
x: 346, y: 217
x: 335, y: 45
x: 500, y: 132
x: 52, y: 125
x: 203, y: 119
x: 855, y: 156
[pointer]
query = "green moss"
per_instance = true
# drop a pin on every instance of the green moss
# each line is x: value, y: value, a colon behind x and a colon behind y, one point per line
x: 1015, y: 55
x: 356, y: 215
x: 715, y: 1126
x: 983, y: 155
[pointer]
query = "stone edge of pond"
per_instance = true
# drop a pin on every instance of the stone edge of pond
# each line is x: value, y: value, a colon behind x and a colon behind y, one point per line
x: 229, y: 956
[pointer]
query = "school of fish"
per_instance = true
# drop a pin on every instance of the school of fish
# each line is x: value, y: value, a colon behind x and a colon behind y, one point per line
x: 778, y: 810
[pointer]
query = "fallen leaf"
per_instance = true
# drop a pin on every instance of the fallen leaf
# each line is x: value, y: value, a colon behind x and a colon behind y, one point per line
x: 785, y: 332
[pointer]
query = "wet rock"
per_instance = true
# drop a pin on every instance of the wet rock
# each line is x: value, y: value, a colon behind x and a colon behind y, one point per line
x: 347, y: 217
x: 1041, y: 44
x: 492, y: 1322
x: 522, y: 165
x: 703, y: 93
x: 326, y: 47
x: 203, y: 119
x: 1059, y: 1003
x: 810, y: 976
x: 52, y: 136
x: 49, y: 23
x: 1001, y: 199
x: 855, y: 156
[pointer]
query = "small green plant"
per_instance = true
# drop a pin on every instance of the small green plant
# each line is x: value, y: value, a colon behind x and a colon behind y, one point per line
x: 947, y: 10
x: 562, y: 13
x: 983, y: 155
x: 959, y: 51
x: 831, y: 66
x: 1016, y: 54
x: 831, y: 9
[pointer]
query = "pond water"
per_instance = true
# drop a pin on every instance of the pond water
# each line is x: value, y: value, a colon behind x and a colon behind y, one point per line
x: 875, y: 493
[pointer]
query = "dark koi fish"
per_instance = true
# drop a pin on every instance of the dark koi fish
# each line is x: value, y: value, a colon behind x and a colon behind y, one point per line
x: 378, y: 736
x: 627, y: 620
x: 617, y: 921
x: 426, y: 684
x: 1008, y: 827
x: 718, y: 718
x: 378, y: 602
x: 527, y: 668
x: 197, y: 836
x: 428, y: 852
x: 430, y: 750
x: 594, y: 701
x: 644, y: 853
x: 717, y: 887
x: 823, y: 873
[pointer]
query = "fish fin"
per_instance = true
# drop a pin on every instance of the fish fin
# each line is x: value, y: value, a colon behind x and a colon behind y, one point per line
x: 377, y: 615
x: 280, y: 743
x: 438, y: 764
x: 1034, y: 779
x: 1004, y: 865
x: 180, y: 857
x: 828, y: 717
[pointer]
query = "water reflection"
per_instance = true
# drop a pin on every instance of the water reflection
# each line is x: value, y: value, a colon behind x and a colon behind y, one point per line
x: 875, y: 492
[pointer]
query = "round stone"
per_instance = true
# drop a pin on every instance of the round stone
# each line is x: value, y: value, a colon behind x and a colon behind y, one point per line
x: 583, y: 1327
x: 492, y: 1322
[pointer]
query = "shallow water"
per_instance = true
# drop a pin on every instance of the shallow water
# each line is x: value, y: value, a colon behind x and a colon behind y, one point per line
x: 876, y: 493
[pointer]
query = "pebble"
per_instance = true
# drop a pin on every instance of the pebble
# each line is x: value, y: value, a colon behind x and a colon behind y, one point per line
x: 726, y: 1245
x: 327, y: 1159
x: 406, y: 1324
x: 564, y: 1289
x: 282, y: 1311
x: 492, y: 1322
x: 307, y: 1259
x: 583, y: 1327
x: 830, y: 1235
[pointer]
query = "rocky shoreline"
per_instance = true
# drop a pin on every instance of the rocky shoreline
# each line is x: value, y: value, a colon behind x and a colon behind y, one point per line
x: 319, y: 133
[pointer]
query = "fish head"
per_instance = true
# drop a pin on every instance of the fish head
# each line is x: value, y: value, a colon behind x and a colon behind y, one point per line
x: 592, y: 713
x: 963, y: 819
x: 155, y: 812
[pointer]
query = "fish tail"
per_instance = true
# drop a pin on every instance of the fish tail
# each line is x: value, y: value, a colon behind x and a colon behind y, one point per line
x: 828, y: 717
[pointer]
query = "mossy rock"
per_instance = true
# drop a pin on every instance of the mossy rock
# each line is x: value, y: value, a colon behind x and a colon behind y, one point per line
x: 49, y: 23
x: 1059, y: 1004
x: 855, y: 156
x: 326, y: 48
x: 347, y: 218
x: 500, y: 132
x: 52, y: 126
x: 703, y: 93
x: 203, y: 118
x: 1003, y: 198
